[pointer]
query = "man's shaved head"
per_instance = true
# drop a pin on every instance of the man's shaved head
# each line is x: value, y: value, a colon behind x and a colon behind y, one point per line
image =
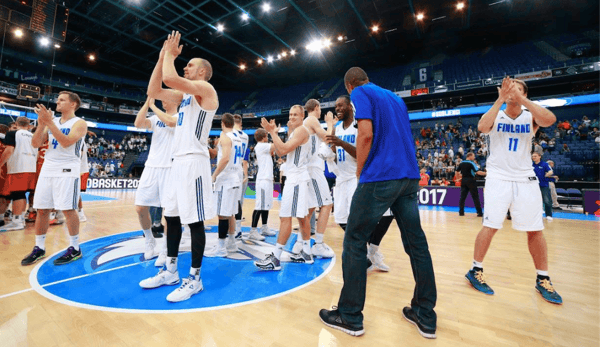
x: 355, y: 77
x: 204, y: 64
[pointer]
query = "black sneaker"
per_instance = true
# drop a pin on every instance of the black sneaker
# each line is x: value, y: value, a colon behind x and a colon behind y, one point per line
x: 333, y: 319
x: 461, y: 214
x: 69, y: 256
x: 410, y: 316
x: 480, y: 215
x: 158, y: 231
x: 34, y: 256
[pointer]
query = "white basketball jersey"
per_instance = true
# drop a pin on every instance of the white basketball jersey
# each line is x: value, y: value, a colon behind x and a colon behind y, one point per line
x: 264, y: 161
x: 60, y: 161
x: 24, y: 157
x: 345, y: 162
x: 296, y: 168
x: 510, y: 148
x: 231, y: 172
x: 314, y: 159
x: 244, y: 138
x: 84, y: 168
x: 161, y: 149
x: 192, y: 129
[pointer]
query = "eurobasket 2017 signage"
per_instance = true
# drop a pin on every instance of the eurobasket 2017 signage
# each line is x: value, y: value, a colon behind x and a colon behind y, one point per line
x: 112, y: 183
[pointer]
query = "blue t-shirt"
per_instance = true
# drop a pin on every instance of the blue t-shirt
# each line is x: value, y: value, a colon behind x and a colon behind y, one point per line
x: 392, y: 154
x: 540, y: 171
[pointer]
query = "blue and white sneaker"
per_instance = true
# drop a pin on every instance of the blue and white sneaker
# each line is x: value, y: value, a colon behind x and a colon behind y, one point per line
x: 545, y: 288
x: 477, y: 280
x: 270, y: 263
x: 188, y: 288
x: 302, y: 257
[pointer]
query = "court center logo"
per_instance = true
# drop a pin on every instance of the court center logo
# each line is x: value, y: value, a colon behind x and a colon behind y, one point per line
x: 108, y: 276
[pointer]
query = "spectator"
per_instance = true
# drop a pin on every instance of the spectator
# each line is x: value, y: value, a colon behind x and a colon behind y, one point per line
x: 424, y: 181
x: 543, y: 171
x: 537, y: 148
x: 565, y: 149
x: 551, y: 183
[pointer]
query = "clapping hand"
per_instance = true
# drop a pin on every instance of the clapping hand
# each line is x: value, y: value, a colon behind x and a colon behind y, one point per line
x: 44, y: 114
x: 269, y: 126
x: 172, y: 46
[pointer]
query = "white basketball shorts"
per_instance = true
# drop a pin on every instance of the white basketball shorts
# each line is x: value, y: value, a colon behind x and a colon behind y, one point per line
x: 342, y: 198
x: 294, y: 199
x: 153, y: 186
x: 524, y: 199
x: 227, y: 197
x: 318, y: 193
x: 60, y: 193
x: 264, y: 195
x: 189, y: 194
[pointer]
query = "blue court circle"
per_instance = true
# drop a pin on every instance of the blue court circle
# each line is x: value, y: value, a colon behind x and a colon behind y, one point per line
x: 107, y: 277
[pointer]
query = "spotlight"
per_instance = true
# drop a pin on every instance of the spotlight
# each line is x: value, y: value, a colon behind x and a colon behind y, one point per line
x: 284, y: 54
x: 266, y: 7
x: 91, y: 57
x: 44, y: 41
x: 259, y: 61
x: 278, y: 56
x: 220, y: 27
x: 19, y: 33
x: 375, y: 28
x: 460, y: 5
x: 56, y: 45
x: 245, y: 16
x: 242, y: 67
x: 340, y: 38
x: 420, y: 16
x: 293, y: 52
x: 270, y: 59
x: 326, y: 42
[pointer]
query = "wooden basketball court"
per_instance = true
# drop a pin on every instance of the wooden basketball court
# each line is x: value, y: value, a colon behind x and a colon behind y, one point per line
x: 515, y: 316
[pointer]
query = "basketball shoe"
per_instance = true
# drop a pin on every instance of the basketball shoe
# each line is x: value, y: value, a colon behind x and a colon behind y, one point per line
x: 69, y: 256
x: 333, y: 319
x: 216, y: 252
x: 302, y: 258
x: 477, y: 280
x: 34, y: 256
x: 163, y: 278
x: 269, y: 263
x: 322, y: 250
x: 265, y: 230
x: 188, y: 287
x: 546, y: 290
x: 376, y: 259
x: 255, y: 235
x: 411, y: 316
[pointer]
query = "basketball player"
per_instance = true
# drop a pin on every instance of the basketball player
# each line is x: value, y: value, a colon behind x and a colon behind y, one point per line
x: 84, y: 173
x: 511, y: 182
x: 153, y: 185
x: 190, y: 192
x: 264, y: 185
x: 58, y: 186
x: 237, y: 119
x: 227, y: 183
x: 294, y: 197
x: 344, y: 144
x: 319, y: 194
x: 4, y: 191
x: 19, y: 156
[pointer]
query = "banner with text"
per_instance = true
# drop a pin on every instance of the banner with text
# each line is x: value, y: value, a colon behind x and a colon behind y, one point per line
x: 591, y: 201
x: 445, y: 196
x: 467, y: 85
x: 112, y: 183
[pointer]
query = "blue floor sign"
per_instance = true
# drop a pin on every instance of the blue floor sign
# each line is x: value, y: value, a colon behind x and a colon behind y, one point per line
x: 112, y: 266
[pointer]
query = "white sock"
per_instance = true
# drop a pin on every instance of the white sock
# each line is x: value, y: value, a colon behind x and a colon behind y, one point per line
x: 17, y: 218
x: 319, y: 237
x: 74, y: 242
x: 306, y: 246
x: 278, y: 250
x: 195, y: 272
x: 238, y: 225
x: 373, y: 248
x: 172, y: 264
x: 221, y: 243
x: 52, y: 215
x: 542, y: 273
x: 40, y: 241
x: 148, y: 234
x: 476, y: 264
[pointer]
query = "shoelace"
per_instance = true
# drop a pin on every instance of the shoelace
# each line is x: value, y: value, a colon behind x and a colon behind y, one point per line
x: 547, y: 285
x: 480, y: 277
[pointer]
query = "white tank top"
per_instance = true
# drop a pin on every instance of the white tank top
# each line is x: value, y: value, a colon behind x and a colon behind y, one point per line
x: 60, y: 161
x: 510, y: 148
x: 24, y: 157
x: 231, y: 172
x: 161, y: 148
x: 296, y: 169
x: 264, y: 161
x: 315, y: 143
x: 192, y: 129
x: 83, y: 168
x: 244, y: 138
x: 345, y: 162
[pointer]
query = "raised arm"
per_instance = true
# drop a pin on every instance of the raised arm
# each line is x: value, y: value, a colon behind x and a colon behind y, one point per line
x: 155, y: 89
x: 169, y: 120
x: 141, y: 122
x: 487, y: 120
x: 542, y: 117
x: 300, y: 136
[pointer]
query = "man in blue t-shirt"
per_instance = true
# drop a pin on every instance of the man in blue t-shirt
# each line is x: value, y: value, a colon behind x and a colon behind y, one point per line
x: 543, y: 171
x: 388, y: 176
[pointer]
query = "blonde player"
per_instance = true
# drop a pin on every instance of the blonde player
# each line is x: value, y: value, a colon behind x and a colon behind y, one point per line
x: 58, y: 186
x: 264, y: 185
x: 294, y: 197
x: 237, y: 126
x: 227, y: 186
x: 20, y: 158
x: 318, y: 194
x: 190, y: 192
x: 511, y: 182
x: 153, y: 185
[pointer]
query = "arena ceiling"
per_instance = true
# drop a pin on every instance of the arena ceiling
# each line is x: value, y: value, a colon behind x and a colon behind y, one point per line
x: 126, y: 35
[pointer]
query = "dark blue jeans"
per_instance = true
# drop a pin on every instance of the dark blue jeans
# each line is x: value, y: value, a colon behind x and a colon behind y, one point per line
x: 369, y: 203
x: 547, y: 198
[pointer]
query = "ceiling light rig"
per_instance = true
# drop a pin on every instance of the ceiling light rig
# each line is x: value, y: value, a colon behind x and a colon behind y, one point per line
x: 266, y: 7
x: 220, y: 27
x: 44, y: 41
x: 269, y: 59
x: 460, y: 6
x: 18, y: 33
x: 242, y: 67
x: 420, y: 16
x: 375, y: 28
x: 259, y: 61
x: 245, y: 16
